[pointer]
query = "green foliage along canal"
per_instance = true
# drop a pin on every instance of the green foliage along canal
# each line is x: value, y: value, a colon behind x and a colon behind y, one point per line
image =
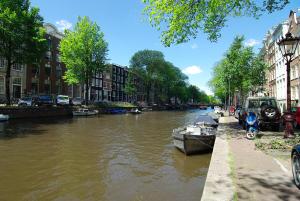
x: 121, y: 157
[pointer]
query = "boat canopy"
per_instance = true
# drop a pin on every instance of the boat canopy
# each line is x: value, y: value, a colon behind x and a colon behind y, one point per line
x: 207, y: 119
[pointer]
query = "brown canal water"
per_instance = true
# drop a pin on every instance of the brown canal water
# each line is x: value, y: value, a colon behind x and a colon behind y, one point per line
x: 108, y: 157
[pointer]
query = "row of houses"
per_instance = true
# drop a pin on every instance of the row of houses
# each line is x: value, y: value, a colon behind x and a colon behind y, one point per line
x: 276, y: 73
x: 46, y: 77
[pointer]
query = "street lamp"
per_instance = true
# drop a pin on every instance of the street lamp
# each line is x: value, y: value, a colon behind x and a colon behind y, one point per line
x: 288, y: 46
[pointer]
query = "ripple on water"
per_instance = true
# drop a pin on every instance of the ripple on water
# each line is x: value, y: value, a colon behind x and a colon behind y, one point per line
x: 122, y: 157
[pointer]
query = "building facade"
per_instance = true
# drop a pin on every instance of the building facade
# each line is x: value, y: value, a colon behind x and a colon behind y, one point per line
x: 110, y: 86
x: 294, y: 28
x: 276, y: 73
x: 46, y: 77
x: 17, y: 80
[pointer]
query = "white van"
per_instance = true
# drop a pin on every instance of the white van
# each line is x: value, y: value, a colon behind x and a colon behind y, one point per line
x: 62, y: 100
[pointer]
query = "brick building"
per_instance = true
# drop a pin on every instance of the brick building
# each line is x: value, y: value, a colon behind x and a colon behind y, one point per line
x: 46, y: 77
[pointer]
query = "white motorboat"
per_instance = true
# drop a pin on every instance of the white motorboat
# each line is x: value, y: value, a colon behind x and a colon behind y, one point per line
x: 85, y: 112
x: 199, y: 137
x: 135, y: 111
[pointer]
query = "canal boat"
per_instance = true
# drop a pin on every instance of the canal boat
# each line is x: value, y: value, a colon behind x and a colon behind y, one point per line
x: 4, y: 117
x: 202, y: 107
x: 85, y: 112
x: 214, y: 116
x: 196, y: 138
x: 135, y: 111
x: 116, y: 111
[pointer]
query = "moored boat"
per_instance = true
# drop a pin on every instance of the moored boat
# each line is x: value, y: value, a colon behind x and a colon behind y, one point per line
x: 202, y: 107
x: 135, y: 111
x: 85, y: 112
x: 116, y: 111
x: 196, y: 138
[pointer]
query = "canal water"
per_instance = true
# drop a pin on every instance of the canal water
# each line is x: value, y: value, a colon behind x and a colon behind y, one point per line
x: 108, y: 157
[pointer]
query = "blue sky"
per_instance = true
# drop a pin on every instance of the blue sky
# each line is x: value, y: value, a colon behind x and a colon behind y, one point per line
x: 126, y: 30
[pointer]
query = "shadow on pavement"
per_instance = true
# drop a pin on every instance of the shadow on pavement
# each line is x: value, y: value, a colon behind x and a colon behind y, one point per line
x: 261, y: 184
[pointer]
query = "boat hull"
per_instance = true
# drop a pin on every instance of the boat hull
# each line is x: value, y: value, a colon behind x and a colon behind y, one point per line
x: 89, y: 113
x: 192, y: 144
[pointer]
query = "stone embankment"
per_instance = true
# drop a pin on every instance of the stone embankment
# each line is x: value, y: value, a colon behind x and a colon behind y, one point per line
x: 35, y: 112
x: 238, y: 171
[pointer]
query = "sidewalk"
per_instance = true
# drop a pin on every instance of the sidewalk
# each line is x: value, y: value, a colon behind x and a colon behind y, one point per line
x: 258, y: 176
x: 245, y: 173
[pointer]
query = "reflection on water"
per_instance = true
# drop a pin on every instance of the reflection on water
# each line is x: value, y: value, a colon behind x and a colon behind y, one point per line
x: 109, y: 157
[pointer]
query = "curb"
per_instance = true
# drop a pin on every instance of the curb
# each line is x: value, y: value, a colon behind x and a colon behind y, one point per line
x: 218, y: 184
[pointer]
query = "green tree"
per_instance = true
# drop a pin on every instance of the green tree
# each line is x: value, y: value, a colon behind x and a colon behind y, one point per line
x: 185, y: 18
x: 130, y: 87
x: 193, y: 93
x: 144, y: 63
x: 240, y: 69
x: 84, y: 52
x: 22, y: 36
x: 162, y: 79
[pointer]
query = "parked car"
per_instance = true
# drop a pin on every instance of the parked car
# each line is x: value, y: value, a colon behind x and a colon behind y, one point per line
x: 26, y: 101
x: 267, y: 110
x: 62, y: 100
x: 44, y: 100
x: 77, y: 101
x: 295, y: 157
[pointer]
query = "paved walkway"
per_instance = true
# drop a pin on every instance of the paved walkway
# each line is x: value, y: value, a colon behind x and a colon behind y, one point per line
x: 256, y: 176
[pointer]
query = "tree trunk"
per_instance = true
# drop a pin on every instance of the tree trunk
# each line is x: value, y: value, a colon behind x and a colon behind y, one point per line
x: 148, y: 94
x: 87, y: 91
x: 7, y: 81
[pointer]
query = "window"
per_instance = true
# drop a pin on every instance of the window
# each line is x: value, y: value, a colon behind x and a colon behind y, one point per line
x: 2, y: 62
x: 58, y: 89
x: 17, y: 81
x: 35, y: 70
x: 57, y: 57
x: 47, y: 88
x: 47, y: 70
x: 49, y: 44
x: 17, y: 67
x: 2, y: 84
x: 58, y: 72
x: 34, y: 88
x: 48, y: 55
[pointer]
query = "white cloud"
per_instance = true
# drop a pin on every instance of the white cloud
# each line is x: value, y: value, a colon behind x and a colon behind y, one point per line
x: 252, y: 42
x: 194, y: 46
x: 63, y: 25
x: 207, y: 90
x: 192, y: 70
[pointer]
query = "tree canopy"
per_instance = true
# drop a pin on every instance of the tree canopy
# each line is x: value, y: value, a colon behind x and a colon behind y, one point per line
x: 240, y: 69
x: 182, y: 20
x: 22, y: 36
x: 163, y: 81
x: 84, y: 52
